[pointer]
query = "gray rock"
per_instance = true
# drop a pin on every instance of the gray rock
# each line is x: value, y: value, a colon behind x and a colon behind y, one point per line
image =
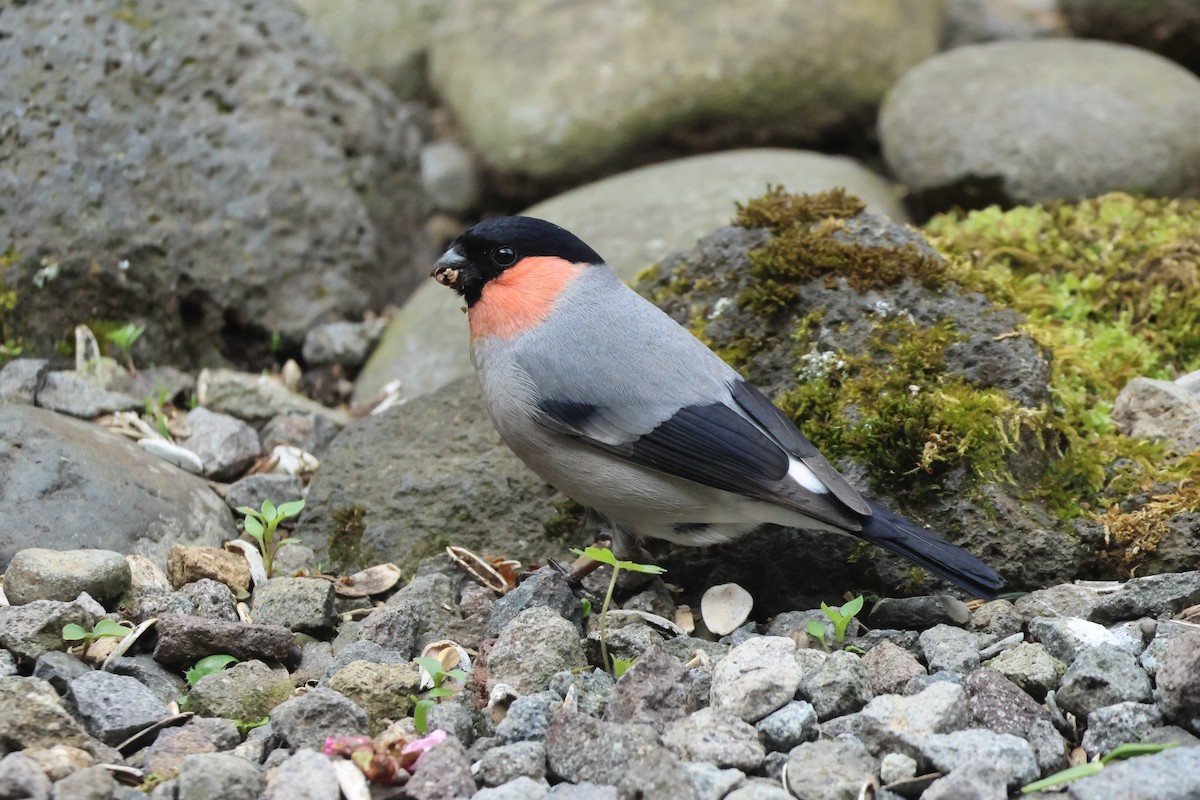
x: 830, y: 769
x: 997, y: 618
x: 362, y: 651
x: 521, y: 788
x: 835, y: 683
x: 528, y: 718
x: 1160, y: 410
x: 210, y: 599
x: 1102, y: 676
x: 310, y: 432
x: 449, y: 176
x: 188, y: 639
x: 654, y: 691
x: 791, y: 725
x: 949, y: 648
x: 896, y: 767
x: 226, y: 446
x: 919, y: 613
x: 208, y: 775
x: 34, y: 717
x: 709, y: 86
x: 71, y: 394
x: 253, y: 489
x: 247, y: 691
x: 256, y: 398
x: 711, y: 782
x: 443, y: 773
x: 584, y: 790
x: 36, y: 573
x: 890, y: 668
x: 344, y: 343
x: 8, y: 664
x: 306, y: 720
x: 302, y: 604
x: 593, y: 689
x: 1065, y: 639
x: 20, y: 777
x: 92, y: 783
x: 1152, y: 596
x: 758, y: 790
x: 631, y: 758
x: 155, y: 236
x: 64, y: 474
x: 446, y: 461
x: 716, y: 737
x: 384, y: 691
x: 971, y: 781
x: 1151, y: 657
x: 1044, y: 93
x: 1169, y: 775
x: 35, y: 628
x: 1060, y: 600
x: 1169, y: 29
x: 1178, y: 681
x: 508, y: 761
x: 531, y: 648
x: 58, y: 669
x: 21, y: 379
x: 998, y: 704
x: 307, y: 775
x: 166, y: 685
x: 633, y: 219
x: 199, y: 735
x: 393, y: 629
x: 114, y: 707
x: 546, y: 587
x: 974, y: 21
x: 455, y: 720
x: 1030, y: 667
x: 940, y: 708
x: 1009, y: 755
x: 1118, y: 724
x: 758, y: 676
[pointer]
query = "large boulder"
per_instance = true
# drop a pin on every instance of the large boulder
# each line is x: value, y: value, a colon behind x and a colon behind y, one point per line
x: 633, y: 219
x: 65, y: 485
x: 547, y: 90
x: 1027, y: 122
x: 211, y: 169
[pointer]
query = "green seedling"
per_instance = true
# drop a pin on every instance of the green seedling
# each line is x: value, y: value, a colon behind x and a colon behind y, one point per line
x: 840, y: 617
x: 440, y: 675
x: 585, y: 607
x: 622, y: 665
x: 123, y: 338
x: 1092, y: 767
x: 105, y: 627
x: 157, y: 411
x: 607, y: 557
x: 243, y: 726
x: 209, y: 665
x: 261, y: 525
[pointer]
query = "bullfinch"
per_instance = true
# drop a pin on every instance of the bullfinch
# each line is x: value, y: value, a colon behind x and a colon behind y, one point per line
x: 611, y: 401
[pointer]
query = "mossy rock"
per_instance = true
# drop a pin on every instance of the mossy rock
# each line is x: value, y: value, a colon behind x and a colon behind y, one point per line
x: 934, y: 378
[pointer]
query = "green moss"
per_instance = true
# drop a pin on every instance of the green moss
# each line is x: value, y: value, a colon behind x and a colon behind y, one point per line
x: 345, y: 538
x: 568, y: 516
x: 805, y: 246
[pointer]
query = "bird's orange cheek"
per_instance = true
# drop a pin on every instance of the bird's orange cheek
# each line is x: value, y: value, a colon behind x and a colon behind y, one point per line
x: 521, y: 297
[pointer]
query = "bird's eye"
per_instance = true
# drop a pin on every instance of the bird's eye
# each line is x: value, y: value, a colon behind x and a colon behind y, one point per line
x: 504, y: 256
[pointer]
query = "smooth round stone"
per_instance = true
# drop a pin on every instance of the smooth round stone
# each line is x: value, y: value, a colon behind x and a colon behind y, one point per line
x: 633, y: 220
x: 1027, y: 122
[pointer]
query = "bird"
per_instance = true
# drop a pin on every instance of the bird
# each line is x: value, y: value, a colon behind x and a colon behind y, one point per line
x: 611, y: 401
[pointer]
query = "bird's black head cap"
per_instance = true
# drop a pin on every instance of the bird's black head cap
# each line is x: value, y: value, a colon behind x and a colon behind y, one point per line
x: 494, y: 245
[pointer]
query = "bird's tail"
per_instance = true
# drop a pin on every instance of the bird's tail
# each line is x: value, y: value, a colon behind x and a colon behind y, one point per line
x: 906, y: 538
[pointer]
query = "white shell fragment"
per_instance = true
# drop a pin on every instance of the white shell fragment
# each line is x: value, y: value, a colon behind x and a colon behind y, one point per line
x: 724, y: 608
x: 372, y: 580
x: 174, y: 454
x: 350, y: 779
x: 290, y: 460
x: 249, y: 551
x: 122, y: 647
x: 452, y: 655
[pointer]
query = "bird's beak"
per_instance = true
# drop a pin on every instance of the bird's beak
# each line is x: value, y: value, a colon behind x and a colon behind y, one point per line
x: 448, y: 269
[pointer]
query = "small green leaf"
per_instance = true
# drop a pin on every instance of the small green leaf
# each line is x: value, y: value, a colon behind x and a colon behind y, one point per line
x: 440, y: 692
x: 457, y: 674
x: 1065, y: 776
x: 621, y: 665
x: 73, y: 633
x: 208, y: 665
x: 254, y: 527
x: 1136, y: 749
x: 247, y: 510
x: 291, y: 509
x: 633, y: 566
x: 601, y: 554
x: 106, y: 627
x: 421, y: 715
x: 268, y: 509
x: 430, y: 665
x: 853, y: 607
x: 587, y: 607
x: 287, y: 540
x: 832, y: 613
x: 243, y: 726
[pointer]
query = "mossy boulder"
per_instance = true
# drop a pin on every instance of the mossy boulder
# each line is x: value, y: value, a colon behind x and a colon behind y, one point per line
x: 933, y: 380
